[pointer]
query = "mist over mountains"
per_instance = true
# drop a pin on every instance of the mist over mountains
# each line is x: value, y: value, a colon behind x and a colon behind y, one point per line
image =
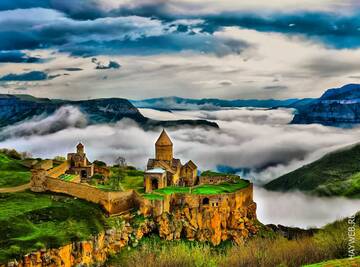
x: 339, y: 107
x: 55, y: 115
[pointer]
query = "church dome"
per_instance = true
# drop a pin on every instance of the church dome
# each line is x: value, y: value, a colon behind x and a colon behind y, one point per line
x: 163, y: 140
x: 80, y: 145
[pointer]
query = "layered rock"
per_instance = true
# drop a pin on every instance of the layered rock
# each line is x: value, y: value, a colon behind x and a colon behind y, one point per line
x: 336, y: 107
x: 209, y: 224
x: 92, y: 252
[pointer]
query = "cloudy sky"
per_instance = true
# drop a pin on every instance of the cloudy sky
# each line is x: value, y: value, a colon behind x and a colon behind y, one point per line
x: 190, y: 48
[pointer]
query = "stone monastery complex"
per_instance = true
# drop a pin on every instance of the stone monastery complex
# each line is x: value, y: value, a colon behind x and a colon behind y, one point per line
x: 209, y: 199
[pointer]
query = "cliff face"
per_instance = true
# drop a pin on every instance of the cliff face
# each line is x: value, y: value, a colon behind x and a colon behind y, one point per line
x: 209, y: 224
x: 336, y: 107
x: 93, y: 252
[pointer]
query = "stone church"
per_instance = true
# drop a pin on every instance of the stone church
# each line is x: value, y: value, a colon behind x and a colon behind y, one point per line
x: 165, y: 170
x: 79, y: 164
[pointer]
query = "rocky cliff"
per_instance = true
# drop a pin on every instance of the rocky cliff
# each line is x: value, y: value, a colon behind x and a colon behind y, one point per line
x: 336, y: 107
x: 209, y: 224
x: 92, y: 252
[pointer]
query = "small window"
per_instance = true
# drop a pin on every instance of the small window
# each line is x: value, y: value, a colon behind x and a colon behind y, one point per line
x: 205, y: 201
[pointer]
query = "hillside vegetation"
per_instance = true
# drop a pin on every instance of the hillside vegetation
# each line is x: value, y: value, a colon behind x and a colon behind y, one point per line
x: 266, y: 249
x: 335, y: 174
x: 29, y: 222
x: 12, y: 173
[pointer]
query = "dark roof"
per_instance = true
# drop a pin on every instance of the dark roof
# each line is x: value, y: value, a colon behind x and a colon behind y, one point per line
x: 191, y: 165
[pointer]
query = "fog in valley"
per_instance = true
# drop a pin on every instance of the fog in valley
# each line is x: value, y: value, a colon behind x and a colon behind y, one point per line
x: 259, y: 144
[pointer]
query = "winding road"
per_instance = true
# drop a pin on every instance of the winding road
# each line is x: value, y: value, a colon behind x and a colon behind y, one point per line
x: 15, y: 188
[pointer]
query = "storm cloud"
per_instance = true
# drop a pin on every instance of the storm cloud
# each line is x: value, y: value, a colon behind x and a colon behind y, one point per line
x: 26, y: 76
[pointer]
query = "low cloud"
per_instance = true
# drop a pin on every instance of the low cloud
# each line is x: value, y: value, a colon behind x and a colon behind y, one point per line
x: 64, y: 118
x: 300, y: 210
x: 259, y: 141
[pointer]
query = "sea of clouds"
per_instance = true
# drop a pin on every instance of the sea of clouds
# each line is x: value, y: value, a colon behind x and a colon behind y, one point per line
x: 259, y: 140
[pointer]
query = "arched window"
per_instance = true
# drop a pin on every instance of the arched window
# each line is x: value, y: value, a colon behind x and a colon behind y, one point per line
x: 205, y: 201
x: 154, y: 184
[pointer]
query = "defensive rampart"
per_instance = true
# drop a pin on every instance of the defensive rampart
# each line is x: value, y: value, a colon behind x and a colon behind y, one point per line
x: 112, y: 202
x: 240, y: 199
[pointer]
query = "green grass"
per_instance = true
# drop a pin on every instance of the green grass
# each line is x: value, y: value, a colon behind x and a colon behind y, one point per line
x: 134, y: 179
x: 204, y: 189
x: 173, y: 189
x: 29, y: 222
x: 336, y: 174
x: 12, y: 173
x: 209, y: 189
x: 152, y: 196
x: 67, y: 177
x: 338, y: 263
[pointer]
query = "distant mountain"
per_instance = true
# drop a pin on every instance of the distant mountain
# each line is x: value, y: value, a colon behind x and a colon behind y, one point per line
x: 336, y: 107
x: 336, y: 174
x: 18, y: 108
x: 178, y: 103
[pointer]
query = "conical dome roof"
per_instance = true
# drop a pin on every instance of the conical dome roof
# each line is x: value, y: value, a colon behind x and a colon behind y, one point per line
x: 163, y: 140
x: 80, y: 145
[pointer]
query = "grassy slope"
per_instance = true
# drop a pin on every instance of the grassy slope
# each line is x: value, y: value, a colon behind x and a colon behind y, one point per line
x: 336, y: 174
x: 206, y: 189
x: 338, y: 263
x: 12, y: 173
x: 30, y: 221
x: 134, y: 179
x: 331, y: 242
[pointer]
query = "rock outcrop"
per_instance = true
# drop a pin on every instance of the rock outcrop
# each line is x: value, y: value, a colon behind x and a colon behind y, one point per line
x: 92, y: 252
x: 209, y: 224
x: 336, y: 107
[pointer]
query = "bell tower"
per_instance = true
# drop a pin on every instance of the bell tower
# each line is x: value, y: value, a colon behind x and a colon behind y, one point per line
x: 164, y: 147
x: 80, y: 149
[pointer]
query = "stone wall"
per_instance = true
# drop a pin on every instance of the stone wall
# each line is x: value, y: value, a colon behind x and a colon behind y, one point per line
x: 112, y: 202
x: 45, y: 164
x: 214, y: 179
x: 239, y: 199
x: 59, y: 170
x: 222, y: 217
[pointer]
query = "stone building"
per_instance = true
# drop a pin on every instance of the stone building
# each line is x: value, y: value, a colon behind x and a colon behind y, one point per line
x: 79, y: 164
x: 165, y: 170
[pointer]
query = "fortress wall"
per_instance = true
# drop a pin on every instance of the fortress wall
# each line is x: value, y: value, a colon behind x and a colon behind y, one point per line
x: 59, y: 170
x: 82, y: 191
x: 105, y: 171
x: 46, y: 164
x: 122, y: 201
x: 112, y: 202
x: 214, y: 179
x: 237, y: 200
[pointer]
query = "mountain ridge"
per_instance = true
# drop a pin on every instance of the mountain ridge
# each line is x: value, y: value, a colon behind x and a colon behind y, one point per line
x: 335, y: 174
x: 18, y: 108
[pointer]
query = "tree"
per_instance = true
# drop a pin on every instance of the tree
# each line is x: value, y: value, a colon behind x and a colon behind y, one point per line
x: 118, y: 172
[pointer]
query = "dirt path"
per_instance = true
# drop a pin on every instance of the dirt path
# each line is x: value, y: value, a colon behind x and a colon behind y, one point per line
x: 15, y: 189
